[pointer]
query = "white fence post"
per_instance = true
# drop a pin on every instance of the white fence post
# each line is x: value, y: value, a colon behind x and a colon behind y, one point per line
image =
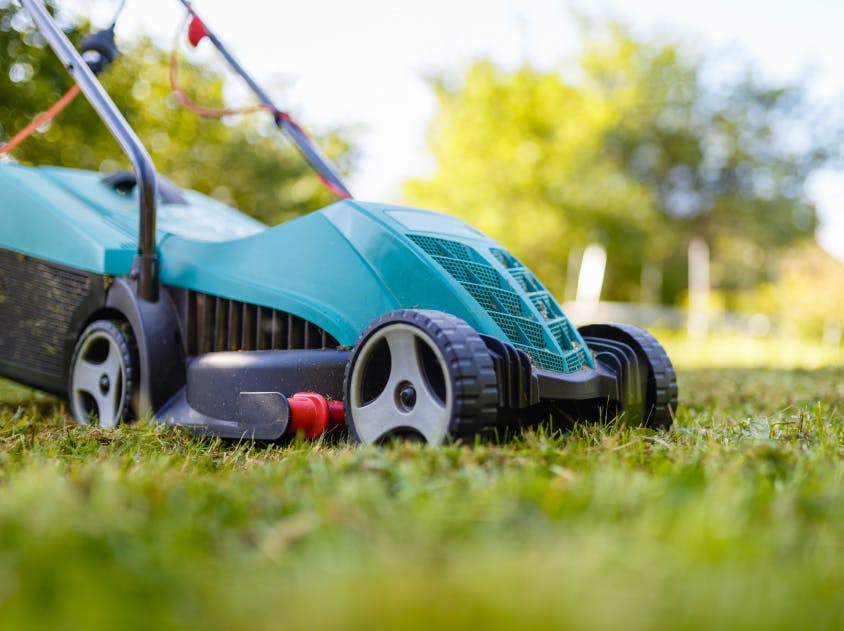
x: 591, y: 280
x: 698, y: 324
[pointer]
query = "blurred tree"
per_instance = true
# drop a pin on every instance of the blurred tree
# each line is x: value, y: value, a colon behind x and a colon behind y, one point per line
x: 806, y: 297
x: 245, y: 162
x: 633, y: 149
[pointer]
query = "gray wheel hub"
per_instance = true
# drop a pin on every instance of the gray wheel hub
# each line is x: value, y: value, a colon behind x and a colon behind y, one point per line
x: 97, y: 379
x: 408, y: 399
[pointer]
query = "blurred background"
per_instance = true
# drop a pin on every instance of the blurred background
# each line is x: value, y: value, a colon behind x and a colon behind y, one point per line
x: 679, y: 167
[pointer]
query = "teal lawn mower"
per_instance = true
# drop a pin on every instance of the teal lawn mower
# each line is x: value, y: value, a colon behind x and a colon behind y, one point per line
x: 133, y: 297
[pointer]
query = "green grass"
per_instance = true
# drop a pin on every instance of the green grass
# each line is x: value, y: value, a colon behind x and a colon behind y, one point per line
x: 734, y: 519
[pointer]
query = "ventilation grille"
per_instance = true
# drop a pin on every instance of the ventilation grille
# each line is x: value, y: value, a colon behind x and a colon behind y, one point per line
x: 215, y: 324
x: 37, y: 302
x: 518, y: 303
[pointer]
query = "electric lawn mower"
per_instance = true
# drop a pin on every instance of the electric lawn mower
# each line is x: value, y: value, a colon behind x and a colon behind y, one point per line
x: 131, y: 296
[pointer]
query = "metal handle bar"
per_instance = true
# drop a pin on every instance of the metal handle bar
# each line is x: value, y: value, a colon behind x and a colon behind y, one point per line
x: 145, y: 267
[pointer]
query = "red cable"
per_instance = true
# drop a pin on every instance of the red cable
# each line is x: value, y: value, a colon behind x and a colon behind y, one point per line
x: 201, y: 110
x: 193, y: 106
x: 47, y: 116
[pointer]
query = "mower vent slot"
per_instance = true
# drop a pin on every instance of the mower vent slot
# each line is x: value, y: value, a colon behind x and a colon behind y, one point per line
x: 505, y: 258
x: 526, y: 280
x: 493, y: 299
x: 514, y: 298
x: 442, y: 248
x: 548, y: 309
x: 212, y: 324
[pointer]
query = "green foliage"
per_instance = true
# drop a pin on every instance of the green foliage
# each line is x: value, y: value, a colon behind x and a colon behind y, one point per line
x: 520, y: 156
x: 733, y: 520
x: 631, y: 148
x: 246, y: 163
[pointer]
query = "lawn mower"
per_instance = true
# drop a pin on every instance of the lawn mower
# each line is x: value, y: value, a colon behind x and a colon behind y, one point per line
x: 134, y: 297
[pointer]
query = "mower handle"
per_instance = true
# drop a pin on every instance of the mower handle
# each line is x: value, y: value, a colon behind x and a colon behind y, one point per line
x: 145, y: 266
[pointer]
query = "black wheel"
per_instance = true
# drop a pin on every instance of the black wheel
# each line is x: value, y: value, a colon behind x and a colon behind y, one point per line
x: 423, y: 374
x: 103, y: 374
x: 648, y: 382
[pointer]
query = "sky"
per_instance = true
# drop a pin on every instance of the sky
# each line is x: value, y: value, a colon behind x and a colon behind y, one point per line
x: 363, y: 64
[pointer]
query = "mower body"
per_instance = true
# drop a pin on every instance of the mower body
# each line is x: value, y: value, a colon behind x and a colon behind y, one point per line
x: 129, y: 293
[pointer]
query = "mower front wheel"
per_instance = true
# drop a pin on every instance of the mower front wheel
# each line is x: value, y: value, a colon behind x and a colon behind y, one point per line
x: 419, y: 374
x: 103, y: 374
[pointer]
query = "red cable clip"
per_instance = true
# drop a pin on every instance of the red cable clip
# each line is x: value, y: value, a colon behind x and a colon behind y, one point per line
x: 196, y: 31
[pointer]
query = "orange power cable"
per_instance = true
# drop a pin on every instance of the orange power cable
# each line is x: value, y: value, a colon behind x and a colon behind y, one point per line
x: 47, y: 116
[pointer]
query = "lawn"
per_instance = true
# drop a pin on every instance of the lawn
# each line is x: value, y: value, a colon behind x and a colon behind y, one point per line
x: 734, y: 519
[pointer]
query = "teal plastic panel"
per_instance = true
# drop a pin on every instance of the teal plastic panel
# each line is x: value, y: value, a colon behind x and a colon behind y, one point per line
x: 201, y: 219
x: 42, y: 219
x: 338, y: 268
x: 71, y: 217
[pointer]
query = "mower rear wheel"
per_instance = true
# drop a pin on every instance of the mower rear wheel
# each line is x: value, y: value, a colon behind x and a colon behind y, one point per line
x: 649, y: 384
x: 103, y: 374
x: 419, y: 374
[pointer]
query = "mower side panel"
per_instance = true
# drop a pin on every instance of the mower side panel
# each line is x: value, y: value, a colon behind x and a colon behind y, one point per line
x: 307, y: 267
x: 43, y: 307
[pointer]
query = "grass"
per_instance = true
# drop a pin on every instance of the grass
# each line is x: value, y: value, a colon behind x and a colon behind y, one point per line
x: 734, y: 519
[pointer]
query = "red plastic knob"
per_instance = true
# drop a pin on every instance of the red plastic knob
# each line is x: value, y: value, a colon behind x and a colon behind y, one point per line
x: 308, y: 413
x: 312, y: 414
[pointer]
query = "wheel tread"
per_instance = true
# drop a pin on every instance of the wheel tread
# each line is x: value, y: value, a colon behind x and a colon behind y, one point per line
x: 121, y: 334
x: 661, y: 396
